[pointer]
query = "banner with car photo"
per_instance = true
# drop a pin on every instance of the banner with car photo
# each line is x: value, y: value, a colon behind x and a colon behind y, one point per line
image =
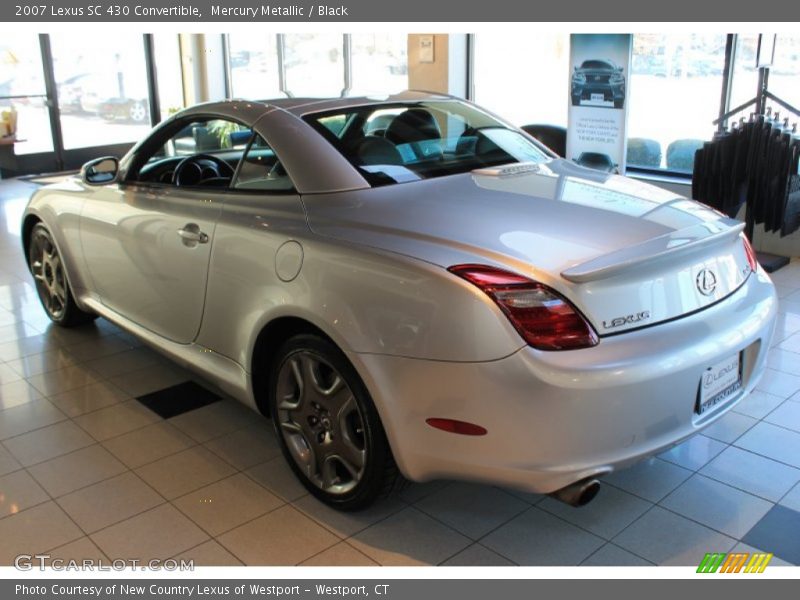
x: 600, y: 68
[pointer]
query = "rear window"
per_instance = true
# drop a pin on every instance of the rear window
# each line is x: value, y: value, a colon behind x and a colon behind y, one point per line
x: 392, y: 144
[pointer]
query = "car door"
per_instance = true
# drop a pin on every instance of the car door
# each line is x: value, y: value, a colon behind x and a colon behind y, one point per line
x: 258, y: 252
x: 147, y: 248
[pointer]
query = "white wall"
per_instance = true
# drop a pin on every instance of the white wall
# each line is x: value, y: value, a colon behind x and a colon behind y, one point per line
x: 447, y: 73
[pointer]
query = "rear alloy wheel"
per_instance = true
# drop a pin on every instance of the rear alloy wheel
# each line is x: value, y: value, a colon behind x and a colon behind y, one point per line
x: 329, y: 429
x: 52, y: 286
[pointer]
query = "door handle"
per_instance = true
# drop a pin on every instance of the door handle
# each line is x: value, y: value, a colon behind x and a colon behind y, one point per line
x: 191, y: 233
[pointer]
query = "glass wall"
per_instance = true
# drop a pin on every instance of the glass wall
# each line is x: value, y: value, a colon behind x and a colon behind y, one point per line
x: 314, y: 64
x: 22, y: 89
x: 675, y: 91
x: 674, y: 94
x: 784, y: 76
x: 379, y: 63
x: 524, y: 79
x: 102, y: 88
x: 253, y: 66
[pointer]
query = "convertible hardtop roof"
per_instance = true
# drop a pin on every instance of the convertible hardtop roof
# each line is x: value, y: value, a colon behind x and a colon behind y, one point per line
x: 250, y: 111
x: 303, y: 106
x: 315, y: 165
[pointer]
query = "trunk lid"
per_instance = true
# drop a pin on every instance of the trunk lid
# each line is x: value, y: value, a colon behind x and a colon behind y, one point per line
x: 627, y: 254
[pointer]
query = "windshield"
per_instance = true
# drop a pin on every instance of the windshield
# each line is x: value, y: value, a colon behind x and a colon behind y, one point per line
x: 407, y: 142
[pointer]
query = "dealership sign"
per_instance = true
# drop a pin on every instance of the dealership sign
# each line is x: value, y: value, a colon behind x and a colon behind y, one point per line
x: 598, y: 90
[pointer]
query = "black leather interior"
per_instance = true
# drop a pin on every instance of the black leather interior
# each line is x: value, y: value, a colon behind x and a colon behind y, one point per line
x: 552, y: 136
x: 467, y: 142
x: 413, y: 125
x: 376, y: 151
x: 474, y: 143
x: 378, y: 125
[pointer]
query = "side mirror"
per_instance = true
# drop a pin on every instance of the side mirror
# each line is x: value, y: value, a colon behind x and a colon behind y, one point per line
x: 100, y: 171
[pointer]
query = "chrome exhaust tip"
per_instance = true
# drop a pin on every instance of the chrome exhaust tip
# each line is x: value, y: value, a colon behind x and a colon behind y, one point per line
x: 579, y: 493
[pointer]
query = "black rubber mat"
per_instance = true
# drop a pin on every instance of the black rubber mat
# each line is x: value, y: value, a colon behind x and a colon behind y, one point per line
x: 178, y: 399
x: 777, y: 532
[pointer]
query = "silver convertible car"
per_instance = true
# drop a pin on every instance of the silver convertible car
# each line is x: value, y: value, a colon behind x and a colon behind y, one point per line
x: 412, y: 288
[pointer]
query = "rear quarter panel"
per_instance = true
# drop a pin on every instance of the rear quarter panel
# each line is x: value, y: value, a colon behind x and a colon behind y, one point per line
x: 366, y: 300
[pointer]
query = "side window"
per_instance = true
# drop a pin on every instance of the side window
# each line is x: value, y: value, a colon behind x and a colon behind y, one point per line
x: 211, y: 136
x: 261, y: 170
x: 199, y: 153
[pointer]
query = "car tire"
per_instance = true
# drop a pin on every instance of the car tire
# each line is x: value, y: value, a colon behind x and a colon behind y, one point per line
x: 52, y: 286
x: 619, y: 103
x: 327, y: 425
x: 137, y: 112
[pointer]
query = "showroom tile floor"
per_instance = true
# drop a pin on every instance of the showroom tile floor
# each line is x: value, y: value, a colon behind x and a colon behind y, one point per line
x: 87, y: 470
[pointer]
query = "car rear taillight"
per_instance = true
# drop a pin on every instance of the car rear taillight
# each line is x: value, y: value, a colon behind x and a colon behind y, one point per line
x: 545, y: 319
x: 751, y: 254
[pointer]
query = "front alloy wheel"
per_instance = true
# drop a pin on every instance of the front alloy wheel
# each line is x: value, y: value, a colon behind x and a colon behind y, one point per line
x: 48, y: 271
x: 328, y: 427
x: 52, y: 286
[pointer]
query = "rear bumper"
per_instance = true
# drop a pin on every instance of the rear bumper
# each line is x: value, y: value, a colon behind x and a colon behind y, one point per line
x: 554, y: 418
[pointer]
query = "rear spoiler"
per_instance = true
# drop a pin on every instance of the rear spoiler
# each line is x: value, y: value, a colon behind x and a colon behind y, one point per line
x: 669, y: 245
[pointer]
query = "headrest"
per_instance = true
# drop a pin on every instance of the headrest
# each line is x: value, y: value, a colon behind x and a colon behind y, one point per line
x: 372, y: 150
x: 413, y: 125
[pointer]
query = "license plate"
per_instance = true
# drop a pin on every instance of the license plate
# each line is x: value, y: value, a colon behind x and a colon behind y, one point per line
x: 719, y: 382
x: 598, y: 97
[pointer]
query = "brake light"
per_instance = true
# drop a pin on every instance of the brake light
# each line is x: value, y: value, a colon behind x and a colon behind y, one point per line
x: 751, y: 254
x: 545, y: 319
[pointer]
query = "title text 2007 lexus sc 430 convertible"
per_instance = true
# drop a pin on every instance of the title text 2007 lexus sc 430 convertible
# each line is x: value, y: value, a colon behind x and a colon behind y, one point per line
x: 412, y: 289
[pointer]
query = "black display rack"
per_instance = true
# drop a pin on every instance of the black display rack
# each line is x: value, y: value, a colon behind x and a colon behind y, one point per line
x: 761, y: 105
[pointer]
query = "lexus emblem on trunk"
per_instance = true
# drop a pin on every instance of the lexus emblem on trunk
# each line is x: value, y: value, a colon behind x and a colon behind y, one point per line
x: 706, y: 282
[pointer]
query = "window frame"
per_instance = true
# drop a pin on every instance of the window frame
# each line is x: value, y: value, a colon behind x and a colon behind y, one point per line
x: 259, y: 192
x: 358, y: 118
x: 158, y: 139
